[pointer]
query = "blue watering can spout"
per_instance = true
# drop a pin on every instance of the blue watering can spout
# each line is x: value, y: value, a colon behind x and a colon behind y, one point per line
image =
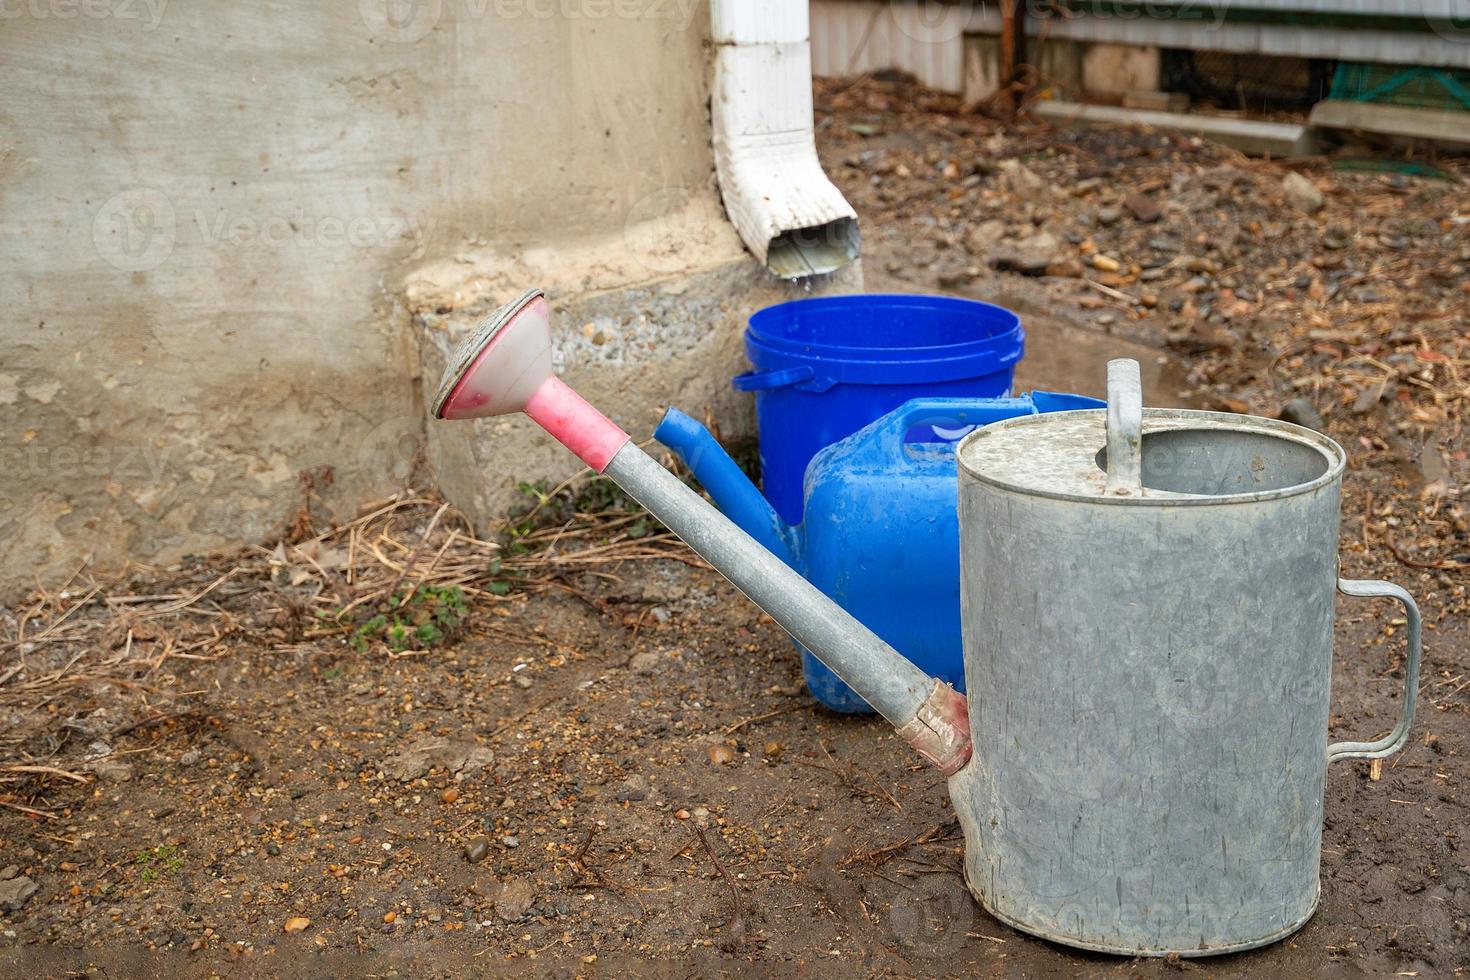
x: 727, y: 483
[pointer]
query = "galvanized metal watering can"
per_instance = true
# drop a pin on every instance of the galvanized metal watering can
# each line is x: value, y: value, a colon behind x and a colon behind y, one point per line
x: 1150, y: 681
x: 881, y: 530
x: 1148, y: 625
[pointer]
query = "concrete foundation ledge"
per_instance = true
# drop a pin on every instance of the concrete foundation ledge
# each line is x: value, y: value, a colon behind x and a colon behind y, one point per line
x: 1445, y: 126
x: 1250, y: 136
x: 631, y: 351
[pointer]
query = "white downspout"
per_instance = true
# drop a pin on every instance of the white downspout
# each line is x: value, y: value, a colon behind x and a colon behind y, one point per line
x: 788, y: 213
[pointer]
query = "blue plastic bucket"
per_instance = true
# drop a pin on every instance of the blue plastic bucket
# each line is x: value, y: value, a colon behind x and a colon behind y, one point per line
x: 826, y: 367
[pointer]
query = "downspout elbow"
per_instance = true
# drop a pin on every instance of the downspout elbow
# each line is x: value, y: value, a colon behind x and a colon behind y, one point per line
x: 788, y: 213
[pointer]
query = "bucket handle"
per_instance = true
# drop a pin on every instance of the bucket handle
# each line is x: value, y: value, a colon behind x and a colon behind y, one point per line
x: 1125, y: 428
x: 1394, y: 740
x: 766, y: 380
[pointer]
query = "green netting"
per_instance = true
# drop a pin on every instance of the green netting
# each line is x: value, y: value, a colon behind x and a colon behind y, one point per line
x: 1428, y: 88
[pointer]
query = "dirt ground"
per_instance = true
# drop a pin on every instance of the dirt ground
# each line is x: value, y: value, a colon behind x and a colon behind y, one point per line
x: 606, y: 764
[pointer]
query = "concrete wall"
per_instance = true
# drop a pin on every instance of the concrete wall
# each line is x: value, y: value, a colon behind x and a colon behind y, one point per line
x: 226, y: 226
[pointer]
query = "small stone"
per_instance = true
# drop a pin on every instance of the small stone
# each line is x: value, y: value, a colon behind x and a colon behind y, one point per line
x: 1208, y: 336
x: 1148, y: 299
x: 515, y: 899
x: 9, y: 871
x: 111, y: 770
x: 190, y: 758
x: 1022, y: 264
x: 1143, y: 207
x: 297, y: 923
x: 1042, y: 245
x: 1020, y: 180
x: 1304, y: 413
x: 983, y: 237
x: 701, y: 816
x: 418, y: 757
x: 1370, y: 396
x: 511, y: 840
x: 633, y: 789
x: 721, y: 754
x: 476, y: 850
x: 1302, y: 194
x: 681, y: 814
x: 449, y: 795
x: 953, y: 278
x: 1066, y: 268
x: 15, y: 891
x: 523, y: 681
x: 1109, y: 216
x: 646, y: 664
x: 390, y: 917
x: 1106, y: 263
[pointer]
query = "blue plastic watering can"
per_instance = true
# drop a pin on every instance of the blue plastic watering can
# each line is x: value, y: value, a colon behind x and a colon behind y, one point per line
x: 880, y: 533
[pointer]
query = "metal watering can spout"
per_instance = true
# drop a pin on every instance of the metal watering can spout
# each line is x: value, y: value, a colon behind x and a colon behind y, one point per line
x: 504, y: 367
x: 737, y: 497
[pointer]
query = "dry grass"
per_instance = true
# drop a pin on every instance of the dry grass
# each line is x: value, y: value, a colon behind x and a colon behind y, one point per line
x: 126, y: 643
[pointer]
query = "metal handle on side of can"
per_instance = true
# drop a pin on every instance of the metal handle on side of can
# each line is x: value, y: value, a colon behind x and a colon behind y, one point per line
x: 1394, y: 740
x: 1125, y: 428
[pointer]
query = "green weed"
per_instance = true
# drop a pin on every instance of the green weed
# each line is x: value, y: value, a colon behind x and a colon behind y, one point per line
x: 425, y: 618
x: 158, y: 860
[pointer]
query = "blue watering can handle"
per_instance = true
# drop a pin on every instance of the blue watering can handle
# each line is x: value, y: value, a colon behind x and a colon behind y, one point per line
x: 766, y: 380
x: 955, y: 412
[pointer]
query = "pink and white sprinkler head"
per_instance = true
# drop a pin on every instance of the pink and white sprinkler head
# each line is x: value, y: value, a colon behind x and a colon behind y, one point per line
x: 504, y: 367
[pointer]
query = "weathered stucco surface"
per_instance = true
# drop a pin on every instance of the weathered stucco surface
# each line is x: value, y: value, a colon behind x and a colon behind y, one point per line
x: 221, y: 221
x: 632, y: 350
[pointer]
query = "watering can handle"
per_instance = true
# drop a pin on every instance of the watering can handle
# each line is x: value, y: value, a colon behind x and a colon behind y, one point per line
x: 958, y: 413
x: 1394, y: 740
x: 1125, y: 428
